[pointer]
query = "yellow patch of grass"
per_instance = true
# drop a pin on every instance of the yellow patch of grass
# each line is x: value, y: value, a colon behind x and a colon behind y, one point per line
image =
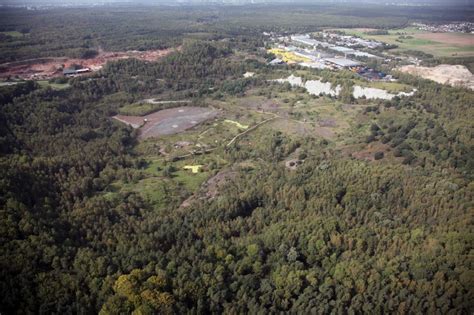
x: 237, y: 124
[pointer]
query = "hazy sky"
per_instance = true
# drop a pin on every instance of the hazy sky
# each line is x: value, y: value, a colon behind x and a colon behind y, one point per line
x: 235, y: 1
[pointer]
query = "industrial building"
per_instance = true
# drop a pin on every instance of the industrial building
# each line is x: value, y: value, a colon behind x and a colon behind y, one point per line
x: 342, y: 62
x: 72, y: 72
x: 314, y: 65
x: 306, y: 40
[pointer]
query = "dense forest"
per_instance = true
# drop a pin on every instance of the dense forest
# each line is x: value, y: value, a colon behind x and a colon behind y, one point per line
x: 337, y: 235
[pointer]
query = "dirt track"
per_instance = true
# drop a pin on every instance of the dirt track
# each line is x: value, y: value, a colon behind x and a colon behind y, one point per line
x: 168, y: 121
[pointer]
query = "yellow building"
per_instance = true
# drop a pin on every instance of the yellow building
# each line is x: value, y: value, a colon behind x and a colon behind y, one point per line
x: 288, y: 56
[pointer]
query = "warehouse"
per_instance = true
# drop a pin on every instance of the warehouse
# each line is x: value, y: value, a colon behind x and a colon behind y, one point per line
x: 73, y: 72
x: 342, y: 62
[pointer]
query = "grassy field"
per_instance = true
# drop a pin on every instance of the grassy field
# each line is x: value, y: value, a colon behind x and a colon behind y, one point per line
x: 138, y: 109
x: 450, y: 45
x: 191, y: 181
x: 13, y: 33
x: 392, y: 87
x: 54, y: 86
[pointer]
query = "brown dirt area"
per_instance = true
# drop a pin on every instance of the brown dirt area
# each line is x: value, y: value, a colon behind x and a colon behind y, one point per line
x: 210, y: 189
x: 260, y: 105
x: 463, y: 40
x: 367, y: 153
x: 168, y: 121
x: 456, y: 75
x: 47, y: 68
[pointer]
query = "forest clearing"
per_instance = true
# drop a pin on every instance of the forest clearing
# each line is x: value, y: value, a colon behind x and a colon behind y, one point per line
x: 168, y: 121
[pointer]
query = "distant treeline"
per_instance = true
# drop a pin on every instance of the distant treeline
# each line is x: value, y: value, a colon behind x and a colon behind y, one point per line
x: 79, y: 33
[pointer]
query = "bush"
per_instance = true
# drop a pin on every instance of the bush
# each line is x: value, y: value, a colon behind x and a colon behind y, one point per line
x: 378, y: 155
x: 168, y: 171
x: 302, y: 156
x: 370, y: 139
x: 374, y: 128
x: 89, y: 54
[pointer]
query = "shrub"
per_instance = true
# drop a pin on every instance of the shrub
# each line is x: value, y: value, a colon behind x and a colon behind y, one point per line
x: 378, y: 155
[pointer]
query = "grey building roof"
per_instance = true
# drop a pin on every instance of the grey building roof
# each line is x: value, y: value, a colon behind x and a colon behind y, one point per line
x: 69, y: 71
x: 343, y: 62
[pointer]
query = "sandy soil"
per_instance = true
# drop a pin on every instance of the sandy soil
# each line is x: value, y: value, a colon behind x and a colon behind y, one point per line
x: 47, y: 68
x: 168, y: 121
x: 454, y: 75
x: 463, y: 40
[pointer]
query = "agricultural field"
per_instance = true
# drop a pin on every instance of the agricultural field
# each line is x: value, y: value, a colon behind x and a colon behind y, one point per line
x: 436, y: 44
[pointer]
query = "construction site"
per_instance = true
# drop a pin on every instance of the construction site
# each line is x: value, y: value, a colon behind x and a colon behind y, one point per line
x: 48, y: 68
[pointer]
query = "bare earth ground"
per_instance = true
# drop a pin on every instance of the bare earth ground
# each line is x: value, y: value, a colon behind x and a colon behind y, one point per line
x: 168, y: 121
x: 46, y: 68
x: 265, y: 106
x: 210, y: 189
x: 445, y: 74
x: 367, y: 152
